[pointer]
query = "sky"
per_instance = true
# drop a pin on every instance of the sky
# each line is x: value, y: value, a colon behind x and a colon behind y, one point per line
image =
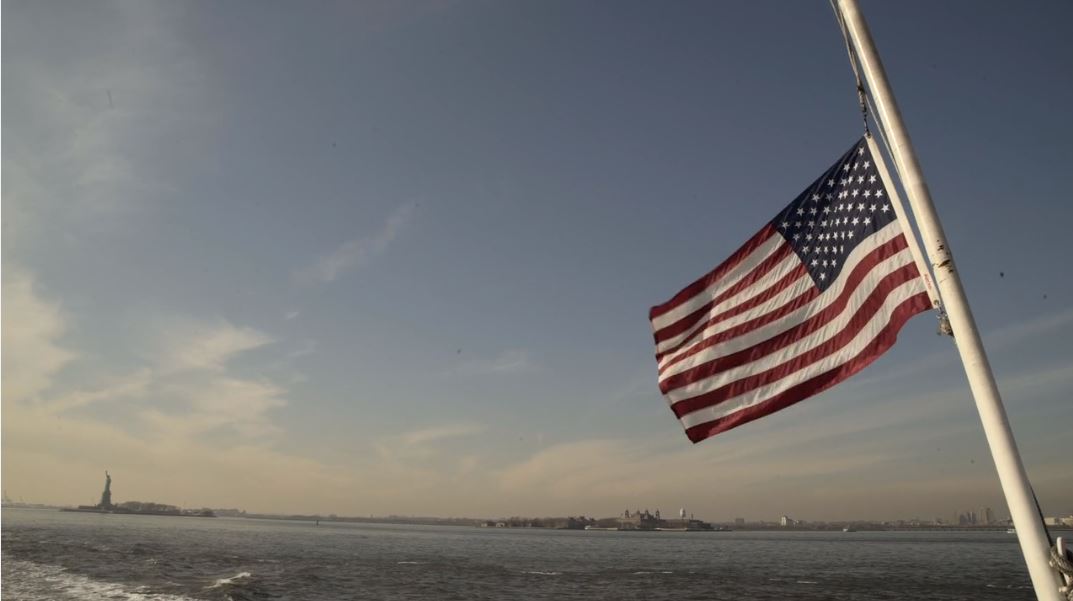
x: 373, y: 258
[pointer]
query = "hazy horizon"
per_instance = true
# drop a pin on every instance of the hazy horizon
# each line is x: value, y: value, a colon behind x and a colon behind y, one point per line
x: 396, y: 258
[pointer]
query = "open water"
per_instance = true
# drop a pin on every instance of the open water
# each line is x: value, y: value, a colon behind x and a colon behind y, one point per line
x: 49, y: 555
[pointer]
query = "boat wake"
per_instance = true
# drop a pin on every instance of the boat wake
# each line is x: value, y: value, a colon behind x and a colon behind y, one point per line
x: 32, y: 581
x: 240, y: 587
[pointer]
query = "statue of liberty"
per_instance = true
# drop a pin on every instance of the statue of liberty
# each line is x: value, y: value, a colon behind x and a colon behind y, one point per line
x: 106, y: 496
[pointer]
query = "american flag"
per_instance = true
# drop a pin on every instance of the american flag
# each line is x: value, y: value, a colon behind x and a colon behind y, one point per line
x: 816, y: 295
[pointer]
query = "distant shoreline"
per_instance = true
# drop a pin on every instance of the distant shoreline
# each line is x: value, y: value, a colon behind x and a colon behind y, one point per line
x: 726, y: 526
x: 718, y: 527
x: 180, y: 514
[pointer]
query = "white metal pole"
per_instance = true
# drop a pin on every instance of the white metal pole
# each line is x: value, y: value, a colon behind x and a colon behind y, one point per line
x: 1035, y: 545
x: 903, y: 220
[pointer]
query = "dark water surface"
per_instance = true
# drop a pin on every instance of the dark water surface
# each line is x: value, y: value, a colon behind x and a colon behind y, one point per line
x: 60, y: 556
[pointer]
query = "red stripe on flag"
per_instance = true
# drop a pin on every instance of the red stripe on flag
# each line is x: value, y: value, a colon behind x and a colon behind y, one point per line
x: 865, y: 312
x: 887, y: 337
x: 797, y: 273
x: 754, y: 276
x: 714, y: 275
x: 740, y: 330
x: 860, y: 271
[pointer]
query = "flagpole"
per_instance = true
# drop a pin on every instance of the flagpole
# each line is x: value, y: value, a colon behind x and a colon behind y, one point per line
x: 1035, y: 544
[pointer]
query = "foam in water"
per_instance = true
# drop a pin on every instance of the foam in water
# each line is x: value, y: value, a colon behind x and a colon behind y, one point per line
x: 43, y: 582
x: 231, y: 580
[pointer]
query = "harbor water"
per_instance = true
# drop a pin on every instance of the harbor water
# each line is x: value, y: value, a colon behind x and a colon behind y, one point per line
x: 50, y: 555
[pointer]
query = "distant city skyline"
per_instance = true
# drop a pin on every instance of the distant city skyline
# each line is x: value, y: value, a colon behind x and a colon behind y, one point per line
x: 397, y: 257
x: 985, y: 516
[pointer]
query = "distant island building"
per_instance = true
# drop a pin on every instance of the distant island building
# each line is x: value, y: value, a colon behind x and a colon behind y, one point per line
x: 136, y: 507
x: 639, y: 520
x: 636, y: 520
x: 645, y: 520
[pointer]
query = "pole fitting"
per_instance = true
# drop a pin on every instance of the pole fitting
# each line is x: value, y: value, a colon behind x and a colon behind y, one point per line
x: 945, y: 329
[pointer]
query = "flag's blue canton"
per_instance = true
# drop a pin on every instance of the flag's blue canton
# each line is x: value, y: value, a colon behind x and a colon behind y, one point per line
x: 831, y: 217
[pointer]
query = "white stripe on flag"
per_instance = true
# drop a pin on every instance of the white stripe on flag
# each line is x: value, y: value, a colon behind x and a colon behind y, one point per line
x: 848, y: 353
x: 799, y: 347
x: 765, y: 332
x: 729, y: 279
x: 780, y: 270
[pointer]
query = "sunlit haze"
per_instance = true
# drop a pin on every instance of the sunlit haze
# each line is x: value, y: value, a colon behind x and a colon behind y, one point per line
x: 372, y: 258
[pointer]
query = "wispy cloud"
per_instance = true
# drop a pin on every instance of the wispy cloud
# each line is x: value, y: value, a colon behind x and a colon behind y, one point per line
x: 183, y: 388
x: 357, y: 251
x: 511, y: 361
x: 291, y: 315
x: 75, y: 162
x: 636, y: 469
x: 241, y: 406
x: 185, y: 417
x: 183, y: 422
x: 135, y: 384
x: 307, y: 347
x: 190, y: 344
x: 31, y: 331
x: 797, y: 460
x: 1050, y: 324
x: 419, y: 451
x: 441, y: 432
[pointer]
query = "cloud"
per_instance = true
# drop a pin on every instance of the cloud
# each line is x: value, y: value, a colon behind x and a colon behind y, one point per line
x: 291, y: 315
x: 356, y: 252
x: 579, y: 468
x: 32, y: 328
x: 73, y: 163
x: 418, y: 449
x: 1048, y: 325
x: 437, y: 433
x: 190, y: 344
x: 512, y: 361
x: 642, y: 470
x: 797, y: 461
x: 181, y: 420
x: 241, y: 406
x: 184, y: 388
x: 416, y: 464
x: 184, y: 426
x: 61, y: 460
x: 1002, y: 339
x: 308, y: 347
x: 195, y: 386
x: 603, y: 475
x: 132, y: 385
